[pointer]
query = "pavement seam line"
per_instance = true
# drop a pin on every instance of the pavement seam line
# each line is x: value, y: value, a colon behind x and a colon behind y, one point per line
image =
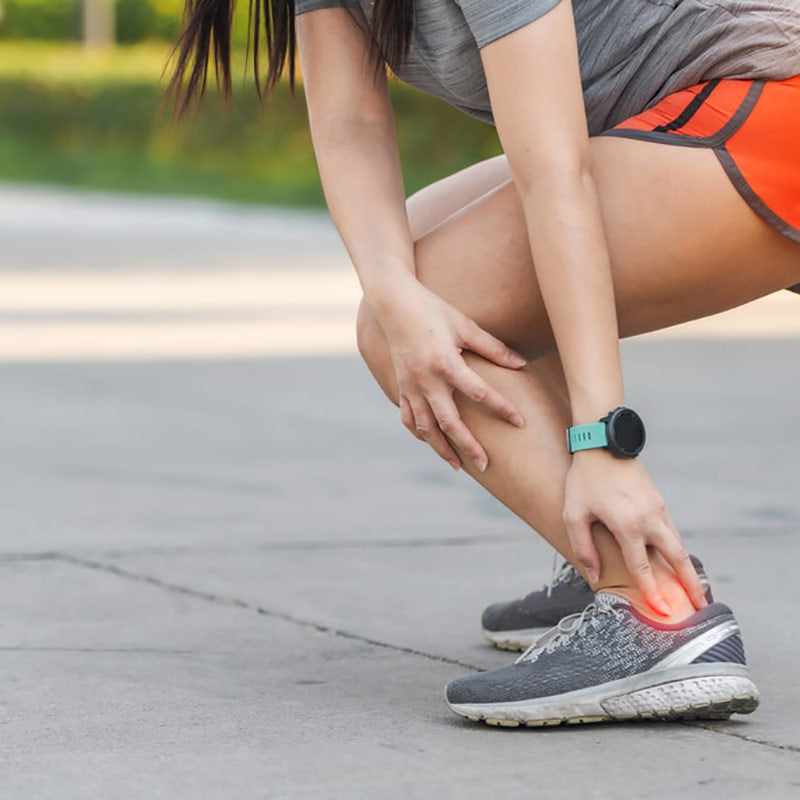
x: 790, y: 748
x: 288, y: 547
x: 8, y: 558
x: 367, y: 543
x: 235, y: 602
x: 356, y: 544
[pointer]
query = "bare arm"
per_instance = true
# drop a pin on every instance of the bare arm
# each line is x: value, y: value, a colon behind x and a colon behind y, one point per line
x: 355, y: 142
x: 546, y: 142
x: 354, y: 138
x: 535, y: 88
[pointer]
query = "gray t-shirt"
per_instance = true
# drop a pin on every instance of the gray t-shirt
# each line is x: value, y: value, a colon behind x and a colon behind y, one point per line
x: 632, y: 52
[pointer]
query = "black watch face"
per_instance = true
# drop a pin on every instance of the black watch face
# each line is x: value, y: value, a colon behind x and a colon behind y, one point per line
x: 627, y: 431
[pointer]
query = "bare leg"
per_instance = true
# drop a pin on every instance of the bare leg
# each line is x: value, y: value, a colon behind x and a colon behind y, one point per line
x: 539, y: 492
x: 671, y: 261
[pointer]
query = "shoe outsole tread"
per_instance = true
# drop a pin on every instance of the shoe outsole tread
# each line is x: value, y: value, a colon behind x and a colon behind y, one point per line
x: 670, y: 702
x: 710, y: 711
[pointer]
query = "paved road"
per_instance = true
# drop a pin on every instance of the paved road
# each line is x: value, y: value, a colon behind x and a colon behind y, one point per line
x: 228, y: 572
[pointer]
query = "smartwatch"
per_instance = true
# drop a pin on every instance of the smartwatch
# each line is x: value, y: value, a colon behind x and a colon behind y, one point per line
x: 621, y: 432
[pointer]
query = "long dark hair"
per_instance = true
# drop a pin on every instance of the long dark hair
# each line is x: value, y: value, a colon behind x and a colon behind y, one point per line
x: 206, y: 37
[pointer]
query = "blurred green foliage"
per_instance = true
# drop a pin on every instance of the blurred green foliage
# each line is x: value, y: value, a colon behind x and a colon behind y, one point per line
x: 91, y: 119
x: 137, y: 20
x: 61, y: 19
x: 39, y: 19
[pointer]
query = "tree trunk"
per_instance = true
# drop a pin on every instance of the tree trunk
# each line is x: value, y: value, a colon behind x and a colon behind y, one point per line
x: 98, y: 23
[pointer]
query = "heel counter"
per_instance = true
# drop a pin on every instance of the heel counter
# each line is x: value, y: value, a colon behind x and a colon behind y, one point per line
x: 730, y: 650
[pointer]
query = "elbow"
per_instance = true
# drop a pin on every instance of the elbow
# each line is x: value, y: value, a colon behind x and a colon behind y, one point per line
x: 559, y: 177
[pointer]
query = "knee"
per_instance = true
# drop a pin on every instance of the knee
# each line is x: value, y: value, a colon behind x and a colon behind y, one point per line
x: 374, y: 350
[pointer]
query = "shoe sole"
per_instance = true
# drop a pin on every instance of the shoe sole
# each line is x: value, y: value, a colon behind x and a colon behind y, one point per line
x: 514, y: 640
x: 695, y: 692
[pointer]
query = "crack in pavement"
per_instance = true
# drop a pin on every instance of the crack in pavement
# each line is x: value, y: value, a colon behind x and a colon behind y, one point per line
x: 235, y: 602
x: 42, y: 556
x: 791, y: 748
x: 321, y: 545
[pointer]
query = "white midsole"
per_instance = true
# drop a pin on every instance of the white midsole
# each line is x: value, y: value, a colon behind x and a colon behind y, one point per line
x: 522, y: 638
x: 691, y: 684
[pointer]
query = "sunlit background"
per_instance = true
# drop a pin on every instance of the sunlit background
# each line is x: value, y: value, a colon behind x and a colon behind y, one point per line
x: 125, y: 235
x: 116, y: 262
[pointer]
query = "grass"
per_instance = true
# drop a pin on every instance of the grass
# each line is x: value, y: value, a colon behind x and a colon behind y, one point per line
x: 77, y: 118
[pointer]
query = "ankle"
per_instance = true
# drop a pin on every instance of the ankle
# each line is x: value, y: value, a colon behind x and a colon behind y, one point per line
x: 680, y: 605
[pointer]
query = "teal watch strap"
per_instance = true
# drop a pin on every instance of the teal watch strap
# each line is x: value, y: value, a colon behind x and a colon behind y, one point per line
x: 586, y: 437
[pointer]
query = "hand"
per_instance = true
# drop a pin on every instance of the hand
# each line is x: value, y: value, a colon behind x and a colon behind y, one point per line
x: 620, y: 494
x: 426, y: 336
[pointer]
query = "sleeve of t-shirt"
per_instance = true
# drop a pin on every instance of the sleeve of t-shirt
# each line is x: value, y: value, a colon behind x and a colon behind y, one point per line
x: 309, y: 5
x: 490, y: 19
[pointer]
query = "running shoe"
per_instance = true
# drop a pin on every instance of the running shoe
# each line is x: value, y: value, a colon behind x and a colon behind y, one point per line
x: 610, y: 662
x: 516, y: 624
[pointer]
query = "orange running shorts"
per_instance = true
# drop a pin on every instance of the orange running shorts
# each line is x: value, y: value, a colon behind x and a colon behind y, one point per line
x: 753, y: 127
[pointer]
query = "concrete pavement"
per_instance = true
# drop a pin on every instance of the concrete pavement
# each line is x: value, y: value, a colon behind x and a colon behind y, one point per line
x: 227, y: 571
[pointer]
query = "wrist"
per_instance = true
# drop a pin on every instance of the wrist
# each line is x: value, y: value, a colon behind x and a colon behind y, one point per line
x: 591, y: 409
x: 385, y: 290
x: 620, y: 432
x: 596, y: 454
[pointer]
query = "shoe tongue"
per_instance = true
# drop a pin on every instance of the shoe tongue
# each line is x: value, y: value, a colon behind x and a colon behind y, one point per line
x: 606, y: 599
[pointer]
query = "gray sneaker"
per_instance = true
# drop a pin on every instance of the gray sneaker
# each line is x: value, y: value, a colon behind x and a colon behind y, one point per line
x: 516, y: 624
x: 610, y: 662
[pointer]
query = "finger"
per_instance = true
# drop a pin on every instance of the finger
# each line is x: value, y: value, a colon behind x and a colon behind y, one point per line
x: 579, y: 532
x: 638, y: 563
x: 490, y: 347
x: 407, y: 417
x: 671, y: 548
x: 450, y: 423
x: 671, y: 525
x: 473, y: 386
x: 428, y: 428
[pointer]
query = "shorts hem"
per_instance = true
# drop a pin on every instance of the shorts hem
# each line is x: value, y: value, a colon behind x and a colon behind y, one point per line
x: 717, y: 142
x: 751, y: 198
x: 681, y: 140
x: 717, y: 139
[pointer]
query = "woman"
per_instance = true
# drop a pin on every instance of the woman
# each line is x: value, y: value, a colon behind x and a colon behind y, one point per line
x: 494, y: 299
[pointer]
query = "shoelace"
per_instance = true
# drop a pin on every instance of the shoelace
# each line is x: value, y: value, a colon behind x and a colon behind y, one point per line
x: 567, y: 627
x: 565, y: 573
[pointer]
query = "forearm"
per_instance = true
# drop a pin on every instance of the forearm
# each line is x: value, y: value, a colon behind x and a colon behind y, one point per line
x: 573, y: 269
x: 362, y: 180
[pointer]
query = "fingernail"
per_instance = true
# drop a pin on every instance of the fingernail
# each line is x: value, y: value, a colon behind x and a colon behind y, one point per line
x: 593, y: 574
x: 662, y: 606
x: 519, y: 360
x: 481, y: 465
x: 455, y: 465
x: 518, y: 420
